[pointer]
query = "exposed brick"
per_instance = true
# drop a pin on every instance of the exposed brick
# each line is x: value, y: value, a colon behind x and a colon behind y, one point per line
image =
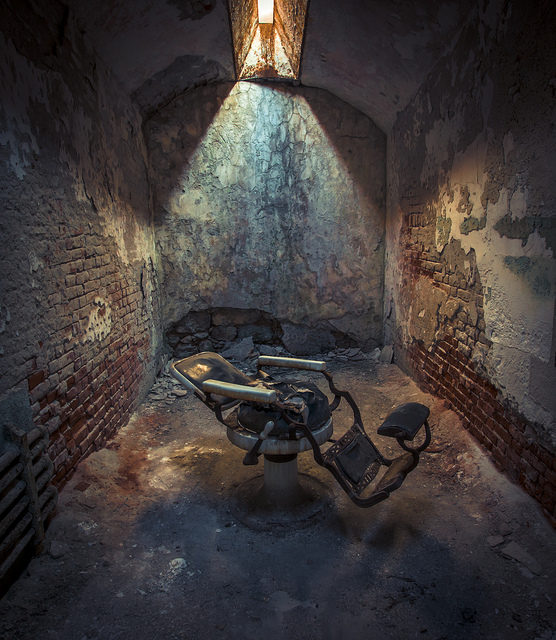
x: 75, y: 242
x: 463, y: 295
x: 448, y: 371
x: 60, y: 459
x: 84, y: 391
x: 35, y: 379
x: 62, y: 361
x: 54, y: 299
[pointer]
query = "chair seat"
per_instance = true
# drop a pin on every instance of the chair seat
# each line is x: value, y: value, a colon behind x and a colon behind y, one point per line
x: 405, y: 421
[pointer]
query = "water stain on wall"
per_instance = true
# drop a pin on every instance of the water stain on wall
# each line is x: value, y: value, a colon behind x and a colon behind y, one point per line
x: 270, y: 198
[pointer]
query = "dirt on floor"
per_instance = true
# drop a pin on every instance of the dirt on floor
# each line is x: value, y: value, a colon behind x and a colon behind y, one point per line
x: 148, y: 541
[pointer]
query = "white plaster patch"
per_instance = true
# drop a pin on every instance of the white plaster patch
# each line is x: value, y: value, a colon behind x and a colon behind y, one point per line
x: 518, y: 203
x: 513, y: 370
x: 100, y: 321
x: 514, y: 315
x: 518, y: 321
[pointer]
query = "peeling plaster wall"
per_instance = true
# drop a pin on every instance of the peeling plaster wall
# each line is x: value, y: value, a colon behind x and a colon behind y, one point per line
x: 471, y: 233
x: 79, y: 326
x: 270, y: 198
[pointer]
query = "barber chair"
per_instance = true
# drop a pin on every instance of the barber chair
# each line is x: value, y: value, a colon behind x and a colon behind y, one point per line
x: 280, y: 418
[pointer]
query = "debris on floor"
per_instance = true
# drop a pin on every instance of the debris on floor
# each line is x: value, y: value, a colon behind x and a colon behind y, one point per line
x: 144, y: 544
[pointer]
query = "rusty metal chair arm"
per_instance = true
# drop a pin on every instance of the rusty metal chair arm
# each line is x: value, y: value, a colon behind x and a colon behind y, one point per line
x: 291, y: 363
x: 240, y: 392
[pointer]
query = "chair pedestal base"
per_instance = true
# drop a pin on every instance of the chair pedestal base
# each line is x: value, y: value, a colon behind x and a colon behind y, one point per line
x: 282, y: 498
x: 281, y: 482
x: 262, y: 509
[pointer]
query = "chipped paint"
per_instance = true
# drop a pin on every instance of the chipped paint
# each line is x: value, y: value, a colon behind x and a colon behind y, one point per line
x: 99, y: 322
x: 472, y: 224
x: 481, y: 161
x: 271, y: 198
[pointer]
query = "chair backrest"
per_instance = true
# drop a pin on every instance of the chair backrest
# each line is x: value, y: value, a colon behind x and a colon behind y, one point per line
x: 209, y: 366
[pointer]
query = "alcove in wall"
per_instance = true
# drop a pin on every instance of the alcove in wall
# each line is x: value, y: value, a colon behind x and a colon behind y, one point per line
x: 270, y: 198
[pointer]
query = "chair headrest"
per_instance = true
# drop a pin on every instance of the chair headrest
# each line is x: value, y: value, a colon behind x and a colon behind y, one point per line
x: 210, y: 366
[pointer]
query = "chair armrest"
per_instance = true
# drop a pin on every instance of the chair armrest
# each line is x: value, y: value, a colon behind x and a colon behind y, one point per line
x: 292, y: 363
x: 240, y: 391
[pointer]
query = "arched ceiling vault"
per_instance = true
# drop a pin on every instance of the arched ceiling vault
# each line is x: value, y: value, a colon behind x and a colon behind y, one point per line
x: 373, y: 54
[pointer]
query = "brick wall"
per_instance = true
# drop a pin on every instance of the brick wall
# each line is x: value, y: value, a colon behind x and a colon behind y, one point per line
x: 470, y: 248
x: 85, y: 382
x: 79, y: 325
x: 446, y: 367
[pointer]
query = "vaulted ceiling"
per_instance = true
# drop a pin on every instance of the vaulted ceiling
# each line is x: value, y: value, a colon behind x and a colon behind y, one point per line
x: 371, y: 53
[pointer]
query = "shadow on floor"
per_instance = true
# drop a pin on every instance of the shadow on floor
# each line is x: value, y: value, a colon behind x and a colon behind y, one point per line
x: 145, y: 543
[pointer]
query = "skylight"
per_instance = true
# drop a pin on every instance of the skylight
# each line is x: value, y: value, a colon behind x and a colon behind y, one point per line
x: 267, y: 37
x: 266, y: 11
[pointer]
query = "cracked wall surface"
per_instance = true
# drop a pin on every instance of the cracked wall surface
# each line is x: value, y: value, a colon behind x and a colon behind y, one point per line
x: 472, y: 211
x: 79, y: 327
x: 270, y: 198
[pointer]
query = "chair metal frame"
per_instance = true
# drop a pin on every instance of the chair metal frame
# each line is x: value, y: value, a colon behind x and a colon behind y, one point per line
x: 353, y: 459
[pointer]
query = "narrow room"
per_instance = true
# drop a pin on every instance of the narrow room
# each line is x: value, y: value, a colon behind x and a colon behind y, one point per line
x: 277, y: 319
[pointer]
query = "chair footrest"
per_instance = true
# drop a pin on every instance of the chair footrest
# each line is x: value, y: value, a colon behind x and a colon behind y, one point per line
x: 396, y: 473
x: 355, y: 457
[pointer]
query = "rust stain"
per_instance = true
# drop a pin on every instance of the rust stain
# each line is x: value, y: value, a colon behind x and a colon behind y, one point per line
x: 133, y: 461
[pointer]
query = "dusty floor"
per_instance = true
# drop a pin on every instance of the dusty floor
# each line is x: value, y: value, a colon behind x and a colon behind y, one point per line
x: 144, y: 544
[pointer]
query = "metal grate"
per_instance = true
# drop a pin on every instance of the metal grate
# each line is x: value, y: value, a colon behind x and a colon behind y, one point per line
x: 27, y: 498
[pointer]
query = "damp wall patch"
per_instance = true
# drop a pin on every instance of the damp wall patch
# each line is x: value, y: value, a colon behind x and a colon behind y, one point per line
x: 471, y: 210
x: 270, y: 198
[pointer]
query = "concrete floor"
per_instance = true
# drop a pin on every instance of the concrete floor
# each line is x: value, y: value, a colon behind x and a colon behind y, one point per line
x: 146, y: 542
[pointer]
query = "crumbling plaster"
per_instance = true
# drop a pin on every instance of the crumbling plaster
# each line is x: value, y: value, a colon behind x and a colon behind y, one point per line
x: 73, y: 165
x: 270, y: 198
x: 474, y: 151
